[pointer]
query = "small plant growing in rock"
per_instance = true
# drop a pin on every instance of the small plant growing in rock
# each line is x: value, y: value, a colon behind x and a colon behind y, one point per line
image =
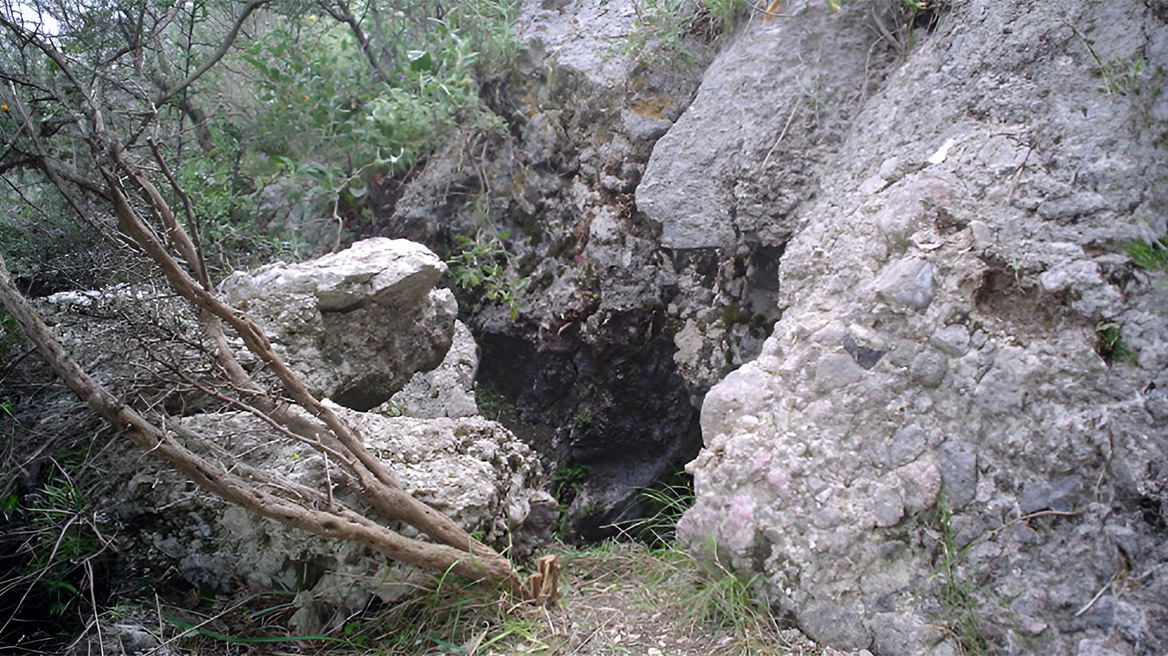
x: 1110, y: 345
x: 958, y: 605
x: 582, y: 419
x: 566, y: 484
x: 673, y: 30
x: 1152, y: 256
x: 485, y: 265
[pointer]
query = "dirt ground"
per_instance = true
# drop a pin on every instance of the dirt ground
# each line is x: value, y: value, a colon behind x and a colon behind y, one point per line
x: 615, y: 599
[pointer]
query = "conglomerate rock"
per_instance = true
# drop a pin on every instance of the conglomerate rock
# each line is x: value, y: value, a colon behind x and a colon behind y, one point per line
x: 962, y: 409
x: 448, y: 389
x: 471, y: 469
x: 355, y: 325
x: 583, y: 360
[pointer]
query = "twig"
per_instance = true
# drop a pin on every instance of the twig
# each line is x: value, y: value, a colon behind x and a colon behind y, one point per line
x: 200, y: 265
x: 93, y: 603
x: 1018, y: 173
x: 1099, y: 594
x: 888, y: 35
x: 1033, y: 515
x: 767, y: 159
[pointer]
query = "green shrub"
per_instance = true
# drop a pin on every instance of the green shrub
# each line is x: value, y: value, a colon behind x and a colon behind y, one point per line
x: 486, y: 266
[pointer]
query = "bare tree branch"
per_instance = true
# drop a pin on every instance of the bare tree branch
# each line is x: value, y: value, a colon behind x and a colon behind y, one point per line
x: 341, y: 13
x: 213, y: 58
x: 338, y: 523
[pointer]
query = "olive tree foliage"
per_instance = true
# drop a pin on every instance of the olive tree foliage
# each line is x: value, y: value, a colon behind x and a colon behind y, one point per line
x: 97, y: 114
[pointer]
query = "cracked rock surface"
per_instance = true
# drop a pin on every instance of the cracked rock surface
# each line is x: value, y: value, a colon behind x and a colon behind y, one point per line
x: 943, y: 400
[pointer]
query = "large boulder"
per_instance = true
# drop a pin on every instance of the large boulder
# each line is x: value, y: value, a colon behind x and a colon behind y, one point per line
x: 470, y: 469
x: 958, y: 430
x: 354, y: 325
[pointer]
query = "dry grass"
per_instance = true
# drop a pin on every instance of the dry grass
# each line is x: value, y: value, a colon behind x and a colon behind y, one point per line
x: 618, y: 598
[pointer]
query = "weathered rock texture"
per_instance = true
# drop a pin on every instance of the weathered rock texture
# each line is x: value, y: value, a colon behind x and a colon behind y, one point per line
x: 446, y: 391
x: 471, y: 469
x: 357, y: 324
x: 944, y: 400
x: 586, y: 364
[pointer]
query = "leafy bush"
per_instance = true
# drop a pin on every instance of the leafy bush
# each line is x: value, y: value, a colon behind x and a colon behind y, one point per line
x: 328, y: 124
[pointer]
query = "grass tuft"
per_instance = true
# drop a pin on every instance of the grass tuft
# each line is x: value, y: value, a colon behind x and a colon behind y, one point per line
x: 1152, y: 256
x: 959, y: 608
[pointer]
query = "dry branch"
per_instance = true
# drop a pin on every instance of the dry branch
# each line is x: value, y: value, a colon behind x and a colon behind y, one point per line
x: 127, y: 187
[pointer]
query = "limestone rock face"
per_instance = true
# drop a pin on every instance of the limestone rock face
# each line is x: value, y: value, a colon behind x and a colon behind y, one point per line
x: 730, y: 172
x: 966, y: 384
x: 357, y: 324
x: 583, y: 362
x: 471, y: 469
x: 446, y: 391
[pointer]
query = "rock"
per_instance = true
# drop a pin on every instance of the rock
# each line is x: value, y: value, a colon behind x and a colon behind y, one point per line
x: 120, y: 638
x: 448, y: 390
x: 929, y: 368
x: 909, y: 283
x: 833, y: 625
x: 583, y: 362
x: 836, y: 370
x: 640, y: 128
x: 959, y: 477
x: 470, y: 469
x: 355, y: 325
x: 950, y: 236
x: 729, y: 173
x: 921, y: 482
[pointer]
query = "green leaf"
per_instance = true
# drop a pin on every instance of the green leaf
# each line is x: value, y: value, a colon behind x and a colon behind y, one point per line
x: 284, y: 163
x: 420, y: 60
x: 357, y: 188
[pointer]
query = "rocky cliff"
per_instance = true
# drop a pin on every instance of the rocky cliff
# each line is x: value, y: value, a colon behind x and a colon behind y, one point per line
x: 957, y: 431
x: 955, y: 435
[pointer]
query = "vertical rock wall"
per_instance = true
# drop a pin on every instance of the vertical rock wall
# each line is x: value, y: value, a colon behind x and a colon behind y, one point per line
x: 583, y: 365
x: 962, y: 407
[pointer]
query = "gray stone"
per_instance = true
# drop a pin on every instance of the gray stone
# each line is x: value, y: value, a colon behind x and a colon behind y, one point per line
x: 354, y: 325
x: 639, y: 127
x: 123, y: 638
x: 929, y: 368
x: 727, y: 171
x: 1066, y: 493
x: 959, y: 475
x: 1035, y: 497
x: 836, y: 370
x: 135, y: 639
x: 1103, y: 647
x: 1070, y: 207
x: 446, y: 391
x: 891, y: 635
x: 888, y: 507
x: 834, y: 626
x: 906, y: 445
x: 908, y: 283
x: 952, y: 339
x: 864, y: 356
